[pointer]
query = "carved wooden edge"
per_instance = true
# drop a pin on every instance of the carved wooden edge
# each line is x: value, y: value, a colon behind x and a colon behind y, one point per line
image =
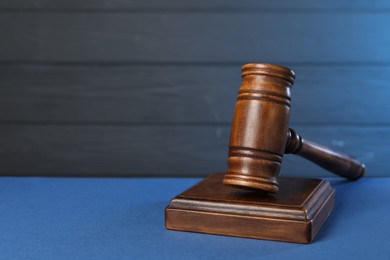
x: 237, y: 209
x: 317, y: 199
x: 269, y: 69
x: 322, y: 214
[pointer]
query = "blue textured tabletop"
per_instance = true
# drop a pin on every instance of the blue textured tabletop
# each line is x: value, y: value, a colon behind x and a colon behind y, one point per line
x: 117, y: 218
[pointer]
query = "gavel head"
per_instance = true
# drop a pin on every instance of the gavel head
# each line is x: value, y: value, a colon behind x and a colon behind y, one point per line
x: 259, y: 129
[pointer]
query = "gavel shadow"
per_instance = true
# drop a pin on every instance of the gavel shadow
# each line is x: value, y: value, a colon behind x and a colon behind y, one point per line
x: 339, y: 182
x: 253, y: 195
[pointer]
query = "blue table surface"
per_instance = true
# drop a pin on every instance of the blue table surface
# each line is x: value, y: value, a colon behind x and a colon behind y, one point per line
x: 123, y: 218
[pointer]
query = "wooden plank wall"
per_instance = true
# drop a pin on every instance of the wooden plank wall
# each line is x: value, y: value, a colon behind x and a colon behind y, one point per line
x: 147, y: 88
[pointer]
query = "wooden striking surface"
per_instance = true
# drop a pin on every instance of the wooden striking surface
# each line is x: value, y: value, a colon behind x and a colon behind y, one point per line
x: 295, y: 214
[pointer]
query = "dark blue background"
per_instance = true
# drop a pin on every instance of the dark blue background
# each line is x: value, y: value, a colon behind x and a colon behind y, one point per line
x: 135, y: 88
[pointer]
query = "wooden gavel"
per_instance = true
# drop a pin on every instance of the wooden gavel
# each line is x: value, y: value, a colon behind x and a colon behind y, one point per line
x: 260, y: 133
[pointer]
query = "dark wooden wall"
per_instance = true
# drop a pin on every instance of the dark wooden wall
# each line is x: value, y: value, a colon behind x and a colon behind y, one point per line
x: 147, y: 88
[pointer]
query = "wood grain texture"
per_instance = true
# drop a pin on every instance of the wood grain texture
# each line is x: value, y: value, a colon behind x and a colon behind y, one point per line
x: 195, y: 37
x: 136, y: 5
x: 184, y: 94
x: 164, y: 151
x: 341, y: 164
x: 260, y: 125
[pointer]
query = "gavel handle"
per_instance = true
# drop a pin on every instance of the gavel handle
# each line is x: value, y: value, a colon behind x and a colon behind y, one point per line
x: 333, y: 161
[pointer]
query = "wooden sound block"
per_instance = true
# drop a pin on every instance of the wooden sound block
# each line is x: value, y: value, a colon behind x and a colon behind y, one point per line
x: 295, y: 214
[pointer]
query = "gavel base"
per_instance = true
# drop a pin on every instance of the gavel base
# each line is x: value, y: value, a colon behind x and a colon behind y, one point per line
x: 295, y: 214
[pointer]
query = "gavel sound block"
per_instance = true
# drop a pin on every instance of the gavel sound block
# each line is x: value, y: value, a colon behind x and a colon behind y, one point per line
x: 249, y: 200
